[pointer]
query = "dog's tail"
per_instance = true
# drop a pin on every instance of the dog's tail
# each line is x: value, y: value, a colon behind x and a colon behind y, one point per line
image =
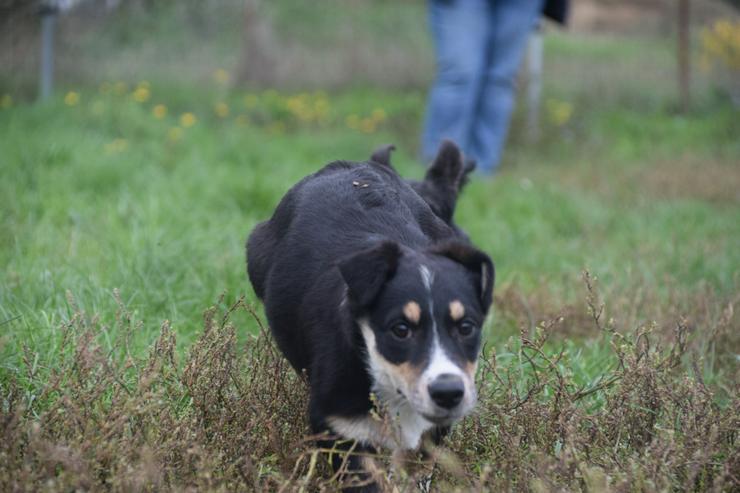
x: 450, y: 169
x: 444, y: 180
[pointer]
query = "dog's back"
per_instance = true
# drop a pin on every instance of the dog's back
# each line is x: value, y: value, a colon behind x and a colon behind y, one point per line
x: 343, y: 208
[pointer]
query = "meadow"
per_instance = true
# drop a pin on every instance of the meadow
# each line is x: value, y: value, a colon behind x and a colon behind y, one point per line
x: 134, y: 354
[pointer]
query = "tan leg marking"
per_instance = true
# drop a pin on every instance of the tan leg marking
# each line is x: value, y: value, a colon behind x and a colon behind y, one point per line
x: 457, y: 310
x: 412, y: 312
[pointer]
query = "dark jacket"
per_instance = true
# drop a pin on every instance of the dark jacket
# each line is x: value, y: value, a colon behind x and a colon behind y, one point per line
x: 556, y: 10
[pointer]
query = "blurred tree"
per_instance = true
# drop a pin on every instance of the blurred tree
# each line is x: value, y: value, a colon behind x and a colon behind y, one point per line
x: 257, y: 65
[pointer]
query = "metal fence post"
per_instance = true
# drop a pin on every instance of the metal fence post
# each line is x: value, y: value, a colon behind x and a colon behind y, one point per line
x: 48, y: 15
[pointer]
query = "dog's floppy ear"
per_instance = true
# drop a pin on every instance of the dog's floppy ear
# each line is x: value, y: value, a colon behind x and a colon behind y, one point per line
x: 367, y: 271
x: 447, y: 168
x: 478, y: 263
x: 382, y: 155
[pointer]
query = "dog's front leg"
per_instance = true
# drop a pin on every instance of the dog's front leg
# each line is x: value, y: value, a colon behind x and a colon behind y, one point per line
x: 354, y: 465
x: 352, y: 459
x: 438, y: 434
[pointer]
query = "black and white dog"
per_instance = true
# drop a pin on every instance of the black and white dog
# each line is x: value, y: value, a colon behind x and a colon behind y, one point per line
x: 370, y: 288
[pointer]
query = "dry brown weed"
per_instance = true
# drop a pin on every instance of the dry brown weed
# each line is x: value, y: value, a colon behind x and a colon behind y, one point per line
x: 231, y: 418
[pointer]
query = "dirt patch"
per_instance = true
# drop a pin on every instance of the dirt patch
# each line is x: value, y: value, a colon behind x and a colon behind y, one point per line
x: 528, y: 309
x: 708, y: 179
x: 701, y: 310
x: 691, y: 178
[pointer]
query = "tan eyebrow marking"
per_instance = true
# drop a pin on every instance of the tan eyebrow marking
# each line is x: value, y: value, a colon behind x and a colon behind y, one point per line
x: 412, y: 311
x: 457, y: 310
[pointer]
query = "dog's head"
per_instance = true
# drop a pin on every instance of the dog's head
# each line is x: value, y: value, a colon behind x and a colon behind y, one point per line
x: 420, y: 315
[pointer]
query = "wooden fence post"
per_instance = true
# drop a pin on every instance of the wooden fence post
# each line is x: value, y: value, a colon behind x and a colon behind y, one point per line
x: 684, y: 54
x: 534, y: 83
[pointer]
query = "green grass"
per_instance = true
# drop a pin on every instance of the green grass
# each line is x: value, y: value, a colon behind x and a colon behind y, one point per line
x: 99, y: 200
x: 165, y: 221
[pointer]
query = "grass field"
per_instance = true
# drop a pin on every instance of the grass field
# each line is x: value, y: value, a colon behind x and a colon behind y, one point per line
x: 128, y: 204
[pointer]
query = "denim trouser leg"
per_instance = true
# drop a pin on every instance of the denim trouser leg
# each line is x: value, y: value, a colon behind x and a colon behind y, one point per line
x: 479, y: 45
x: 512, y: 22
x: 460, y: 31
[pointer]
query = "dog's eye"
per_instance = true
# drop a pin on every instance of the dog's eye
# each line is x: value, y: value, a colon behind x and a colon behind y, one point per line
x: 401, y: 331
x: 466, y: 328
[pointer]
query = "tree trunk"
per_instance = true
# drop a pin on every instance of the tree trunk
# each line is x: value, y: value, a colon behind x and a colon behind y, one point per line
x: 258, y: 64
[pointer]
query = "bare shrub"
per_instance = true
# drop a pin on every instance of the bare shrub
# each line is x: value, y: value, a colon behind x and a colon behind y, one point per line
x: 230, y: 418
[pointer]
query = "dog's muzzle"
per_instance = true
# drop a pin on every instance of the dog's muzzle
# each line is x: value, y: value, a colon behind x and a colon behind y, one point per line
x: 447, y: 390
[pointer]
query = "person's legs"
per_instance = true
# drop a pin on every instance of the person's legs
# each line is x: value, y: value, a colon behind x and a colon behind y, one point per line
x: 460, y: 29
x: 512, y: 21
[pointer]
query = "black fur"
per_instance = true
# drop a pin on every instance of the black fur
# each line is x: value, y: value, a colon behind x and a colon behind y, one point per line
x: 339, y: 245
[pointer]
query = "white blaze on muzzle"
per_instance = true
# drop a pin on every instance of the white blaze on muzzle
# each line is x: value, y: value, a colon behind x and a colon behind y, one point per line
x: 440, y: 364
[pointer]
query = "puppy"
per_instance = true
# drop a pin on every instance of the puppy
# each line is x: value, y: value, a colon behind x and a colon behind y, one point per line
x: 371, y: 289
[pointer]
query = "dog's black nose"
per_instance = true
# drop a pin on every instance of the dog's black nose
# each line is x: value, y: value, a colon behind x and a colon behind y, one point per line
x: 447, y: 390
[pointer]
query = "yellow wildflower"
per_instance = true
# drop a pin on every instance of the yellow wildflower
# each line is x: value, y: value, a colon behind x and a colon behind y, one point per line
x: 105, y: 88
x: 221, y: 76
x: 221, y: 109
x: 367, y: 125
x: 299, y: 107
x: 159, y: 111
x: 187, y: 119
x: 559, y: 112
x: 141, y: 94
x: 295, y: 104
x: 721, y: 44
x: 6, y: 101
x: 378, y: 115
x: 242, y: 120
x: 72, y: 98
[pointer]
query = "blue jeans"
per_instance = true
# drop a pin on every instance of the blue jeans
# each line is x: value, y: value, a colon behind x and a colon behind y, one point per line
x: 479, y: 46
